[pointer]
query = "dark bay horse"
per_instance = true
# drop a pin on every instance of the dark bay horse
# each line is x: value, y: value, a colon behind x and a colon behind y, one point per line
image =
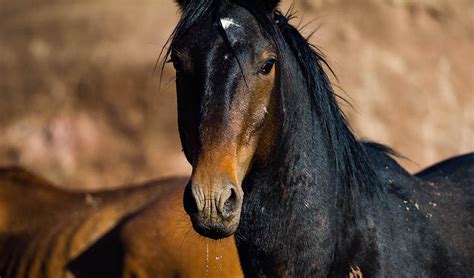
x: 275, y: 162
x: 141, y: 231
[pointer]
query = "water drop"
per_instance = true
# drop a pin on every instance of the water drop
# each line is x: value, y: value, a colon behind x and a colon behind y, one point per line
x: 219, y: 257
x: 207, y: 259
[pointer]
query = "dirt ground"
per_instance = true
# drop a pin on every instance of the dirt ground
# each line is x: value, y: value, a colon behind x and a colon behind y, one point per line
x: 80, y: 101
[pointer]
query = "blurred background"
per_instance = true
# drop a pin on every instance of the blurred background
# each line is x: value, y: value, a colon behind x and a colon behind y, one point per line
x: 80, y: 102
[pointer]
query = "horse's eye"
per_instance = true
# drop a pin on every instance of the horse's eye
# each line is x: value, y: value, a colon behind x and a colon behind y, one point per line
x: 267, y: 67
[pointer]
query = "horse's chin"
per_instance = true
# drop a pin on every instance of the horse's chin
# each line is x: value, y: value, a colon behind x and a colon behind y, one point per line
x: 215, y: 230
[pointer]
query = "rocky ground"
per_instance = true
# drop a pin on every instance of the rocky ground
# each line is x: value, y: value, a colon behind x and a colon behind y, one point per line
x: 81, y: 104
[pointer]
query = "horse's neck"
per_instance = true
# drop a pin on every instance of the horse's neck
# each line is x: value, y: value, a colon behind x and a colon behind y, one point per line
x: 300, y: 218
x: 290, y: 205
x: 292, y: 220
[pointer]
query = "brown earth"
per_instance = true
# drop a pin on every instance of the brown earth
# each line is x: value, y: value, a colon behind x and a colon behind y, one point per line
x: 80, y: 102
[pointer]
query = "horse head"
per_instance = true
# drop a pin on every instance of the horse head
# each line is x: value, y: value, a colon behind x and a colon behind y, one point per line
x: 226, y: 68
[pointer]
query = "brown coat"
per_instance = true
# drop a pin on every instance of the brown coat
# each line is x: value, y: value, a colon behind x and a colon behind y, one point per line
x: 139, y: 231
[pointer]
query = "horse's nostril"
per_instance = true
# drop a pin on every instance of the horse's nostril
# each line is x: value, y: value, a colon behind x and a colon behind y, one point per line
x: 231, y: 204
x: 190, y: 201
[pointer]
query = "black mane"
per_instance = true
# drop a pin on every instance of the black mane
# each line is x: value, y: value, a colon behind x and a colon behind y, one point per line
x: 352, y: 163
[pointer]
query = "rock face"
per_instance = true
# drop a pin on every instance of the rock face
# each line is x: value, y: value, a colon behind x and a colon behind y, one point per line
x: 81, y: 103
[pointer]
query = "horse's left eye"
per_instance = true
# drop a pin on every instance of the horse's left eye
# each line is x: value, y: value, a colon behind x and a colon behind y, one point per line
x: 267, y: 67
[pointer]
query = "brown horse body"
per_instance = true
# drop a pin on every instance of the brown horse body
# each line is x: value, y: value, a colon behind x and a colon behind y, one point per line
x: 140, y: 231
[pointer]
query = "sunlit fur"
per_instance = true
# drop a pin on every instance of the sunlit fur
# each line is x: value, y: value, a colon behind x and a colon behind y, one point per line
x: 47, y: 232
x: 325, y: 203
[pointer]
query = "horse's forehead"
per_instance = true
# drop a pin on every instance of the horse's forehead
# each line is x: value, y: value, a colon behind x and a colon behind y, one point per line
x: 237, y: 18
x: 235, y: 29
x: 239, y: 24
x: 230, y: 23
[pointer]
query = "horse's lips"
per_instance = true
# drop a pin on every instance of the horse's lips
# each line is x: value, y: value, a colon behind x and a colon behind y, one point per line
x: 214, y: 230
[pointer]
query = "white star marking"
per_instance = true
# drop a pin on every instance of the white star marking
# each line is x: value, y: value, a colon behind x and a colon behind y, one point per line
x: 228, y: 22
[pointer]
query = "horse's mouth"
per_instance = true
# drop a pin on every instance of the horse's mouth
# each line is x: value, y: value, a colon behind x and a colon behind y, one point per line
x: 214, y: 230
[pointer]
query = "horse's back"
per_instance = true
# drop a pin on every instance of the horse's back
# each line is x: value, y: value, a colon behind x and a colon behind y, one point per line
x: 30, y: 208
x: 46, y: 231
x: 458, y: 171
x: 449, y: 204
x: 42, y: 227
x: 28, y: 201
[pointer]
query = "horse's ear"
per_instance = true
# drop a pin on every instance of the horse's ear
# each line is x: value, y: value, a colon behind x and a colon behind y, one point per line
x: 183, y: 3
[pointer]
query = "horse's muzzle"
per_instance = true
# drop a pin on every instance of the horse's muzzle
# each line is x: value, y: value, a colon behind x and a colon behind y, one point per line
x: 214, y: 213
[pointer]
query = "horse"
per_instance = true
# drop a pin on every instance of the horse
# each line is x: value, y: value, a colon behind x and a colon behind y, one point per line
x: 134, y: 231
x: 276, y: 164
